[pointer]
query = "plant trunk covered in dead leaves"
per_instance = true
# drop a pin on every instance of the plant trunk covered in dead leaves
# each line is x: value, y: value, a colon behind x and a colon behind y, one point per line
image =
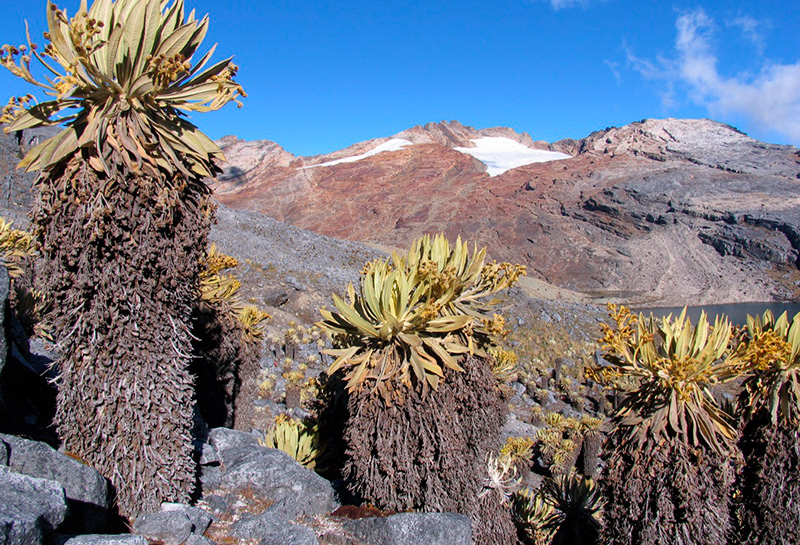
x: 428, y: 451
x: 120, y: 262
x: 667, y: 494
x: 492, y: 520
x: 770, y: 509
x: 226, y: 368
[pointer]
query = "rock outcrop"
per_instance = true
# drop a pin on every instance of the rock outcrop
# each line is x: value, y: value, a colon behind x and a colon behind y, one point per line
x: 655, y: 212
x: 86, y: 491
x: 250, y: 493
x: 30, y: 508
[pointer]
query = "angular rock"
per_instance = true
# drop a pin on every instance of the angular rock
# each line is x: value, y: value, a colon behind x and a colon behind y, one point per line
x: 412, y: 529
x: 210, y: 477
x: 208, y: 455
x: 170, y: 527
x: 86, y: 490
x: 514, y: 427
x: 270, y: 529
x: 30, y: 508
x: 195, y: 539
x: 256, y: 526
x: 275, y: 297
x: 275, y: 476
x: 199, y: 518
x: 106, y: 539
x: 225, y: 439
x: 290, y: 534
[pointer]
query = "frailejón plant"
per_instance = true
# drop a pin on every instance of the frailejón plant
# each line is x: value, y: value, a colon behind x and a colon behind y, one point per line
x: 670, y: 456
x: 420, y: 409
x: 121, y: 220
x: 417, y: 314
x: 770, y: 408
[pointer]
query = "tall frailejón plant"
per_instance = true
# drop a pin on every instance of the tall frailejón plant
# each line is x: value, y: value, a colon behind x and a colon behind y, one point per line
x: 122, y: 217
x: 670, y: 457
x: 770, y: 407
x: 422, y: 406
x: 227, y: 342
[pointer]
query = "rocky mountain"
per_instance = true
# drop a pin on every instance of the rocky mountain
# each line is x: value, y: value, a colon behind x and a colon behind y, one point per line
x: 656, y: 212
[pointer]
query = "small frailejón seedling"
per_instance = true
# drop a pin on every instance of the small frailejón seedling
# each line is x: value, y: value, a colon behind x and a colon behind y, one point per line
x: 566, y: 510
x: 770, y: 407
x: 121, y: 219
x: 16, y: 246
x: 410, y: 352
x: 670, y: 458
x: 535, y: 515
x: 298, y: 439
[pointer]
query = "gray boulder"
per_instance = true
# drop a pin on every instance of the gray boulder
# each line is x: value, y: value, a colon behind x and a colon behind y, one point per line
x: 271, y: 474
x: 208, y: 455
x: 271, y: 529
x: 195, y: 539
x: 102, y: 539
x: 210, y: 477
x: 86, y: 490
x: 287, y: 533
x: 276, y: 477
x: 30, y: 508
x: 412, y: 529
x: 200, y: 519
x: 225, y: 440
x: 169, y: 527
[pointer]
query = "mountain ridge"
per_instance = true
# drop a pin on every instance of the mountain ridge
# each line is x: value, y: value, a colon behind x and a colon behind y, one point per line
x: 654, y: 212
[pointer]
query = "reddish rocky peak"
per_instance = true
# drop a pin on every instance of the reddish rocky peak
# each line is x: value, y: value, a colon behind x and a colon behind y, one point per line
x: 245, y: 159
x: 506, y: 132
x: 454, y: 134
x: 445, y: 133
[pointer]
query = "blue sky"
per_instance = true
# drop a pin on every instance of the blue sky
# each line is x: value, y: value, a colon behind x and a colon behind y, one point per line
x: 325, y: 74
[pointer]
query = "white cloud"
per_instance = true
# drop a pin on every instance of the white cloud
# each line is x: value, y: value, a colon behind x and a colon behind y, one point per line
x: 752, y: 29
x: 561, y: 4
x: 566, y: 4
x: 614, y: 67
x: 770, y: 99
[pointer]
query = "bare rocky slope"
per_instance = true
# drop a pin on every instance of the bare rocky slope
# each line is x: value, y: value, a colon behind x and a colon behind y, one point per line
x: 658, y: 212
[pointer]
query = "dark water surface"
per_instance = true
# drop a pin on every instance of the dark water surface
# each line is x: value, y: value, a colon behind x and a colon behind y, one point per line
x: 737, y: 313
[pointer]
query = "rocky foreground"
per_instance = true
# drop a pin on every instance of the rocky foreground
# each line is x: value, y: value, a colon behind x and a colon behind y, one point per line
x: 658, y: 212
x: 250, y: 494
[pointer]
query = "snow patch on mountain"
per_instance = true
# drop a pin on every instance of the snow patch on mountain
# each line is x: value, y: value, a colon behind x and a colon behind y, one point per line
x: 501, y: 154
x: 393, y: 144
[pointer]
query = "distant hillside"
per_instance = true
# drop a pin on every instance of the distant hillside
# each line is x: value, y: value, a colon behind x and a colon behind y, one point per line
x: 655, y: 212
